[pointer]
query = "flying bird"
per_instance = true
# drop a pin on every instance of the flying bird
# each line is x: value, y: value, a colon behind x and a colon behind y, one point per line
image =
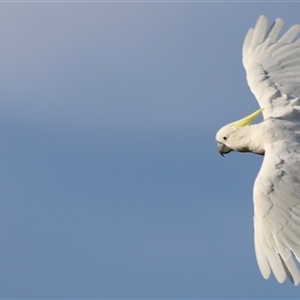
x: 272, y: 67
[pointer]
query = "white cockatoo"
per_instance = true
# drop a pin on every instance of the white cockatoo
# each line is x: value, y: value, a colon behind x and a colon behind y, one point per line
x: 273, y: 73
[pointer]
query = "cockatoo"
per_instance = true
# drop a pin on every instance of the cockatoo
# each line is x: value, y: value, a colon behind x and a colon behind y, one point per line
x: 273, y: 74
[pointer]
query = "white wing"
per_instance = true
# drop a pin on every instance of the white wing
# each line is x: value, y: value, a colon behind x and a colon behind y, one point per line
x: 273, y: 74
x: 273, y: 67
x: 277, y: 212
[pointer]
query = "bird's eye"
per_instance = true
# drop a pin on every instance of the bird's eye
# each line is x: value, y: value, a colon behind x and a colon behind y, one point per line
x: 224, y: 138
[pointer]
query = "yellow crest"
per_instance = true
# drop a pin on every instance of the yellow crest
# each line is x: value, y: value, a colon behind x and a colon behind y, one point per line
x: 247, y: 120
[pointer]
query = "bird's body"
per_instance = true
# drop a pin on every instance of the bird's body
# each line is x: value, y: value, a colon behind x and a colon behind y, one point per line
x: 273, y: 74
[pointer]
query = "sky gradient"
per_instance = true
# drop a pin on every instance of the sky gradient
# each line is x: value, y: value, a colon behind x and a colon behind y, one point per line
x: 112, y: 186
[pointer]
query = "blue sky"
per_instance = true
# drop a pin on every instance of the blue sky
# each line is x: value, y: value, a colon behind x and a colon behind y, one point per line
x: 112, y: 186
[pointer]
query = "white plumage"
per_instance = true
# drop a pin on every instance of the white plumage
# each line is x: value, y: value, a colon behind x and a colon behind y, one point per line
x: 273, y: 73
x: 273, y: 67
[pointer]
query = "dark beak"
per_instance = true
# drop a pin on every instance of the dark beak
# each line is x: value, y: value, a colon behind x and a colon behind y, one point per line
x: 223, y: 149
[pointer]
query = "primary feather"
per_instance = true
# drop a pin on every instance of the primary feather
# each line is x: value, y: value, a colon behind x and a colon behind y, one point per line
x: 273, y: 73
x: 272, y: 68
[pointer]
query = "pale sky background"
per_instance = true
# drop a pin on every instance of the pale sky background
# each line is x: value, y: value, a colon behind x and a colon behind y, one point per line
x: 112, y: 186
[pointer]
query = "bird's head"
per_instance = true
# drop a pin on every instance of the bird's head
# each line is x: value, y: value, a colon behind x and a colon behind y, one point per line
x: 226, y: 137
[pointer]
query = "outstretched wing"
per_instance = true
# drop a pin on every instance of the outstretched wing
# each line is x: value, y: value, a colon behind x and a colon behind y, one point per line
x: 277, y: 213
x: 273, y: 67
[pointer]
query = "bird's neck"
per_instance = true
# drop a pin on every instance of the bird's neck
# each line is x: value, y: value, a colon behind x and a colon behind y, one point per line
x: 250, y: 139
